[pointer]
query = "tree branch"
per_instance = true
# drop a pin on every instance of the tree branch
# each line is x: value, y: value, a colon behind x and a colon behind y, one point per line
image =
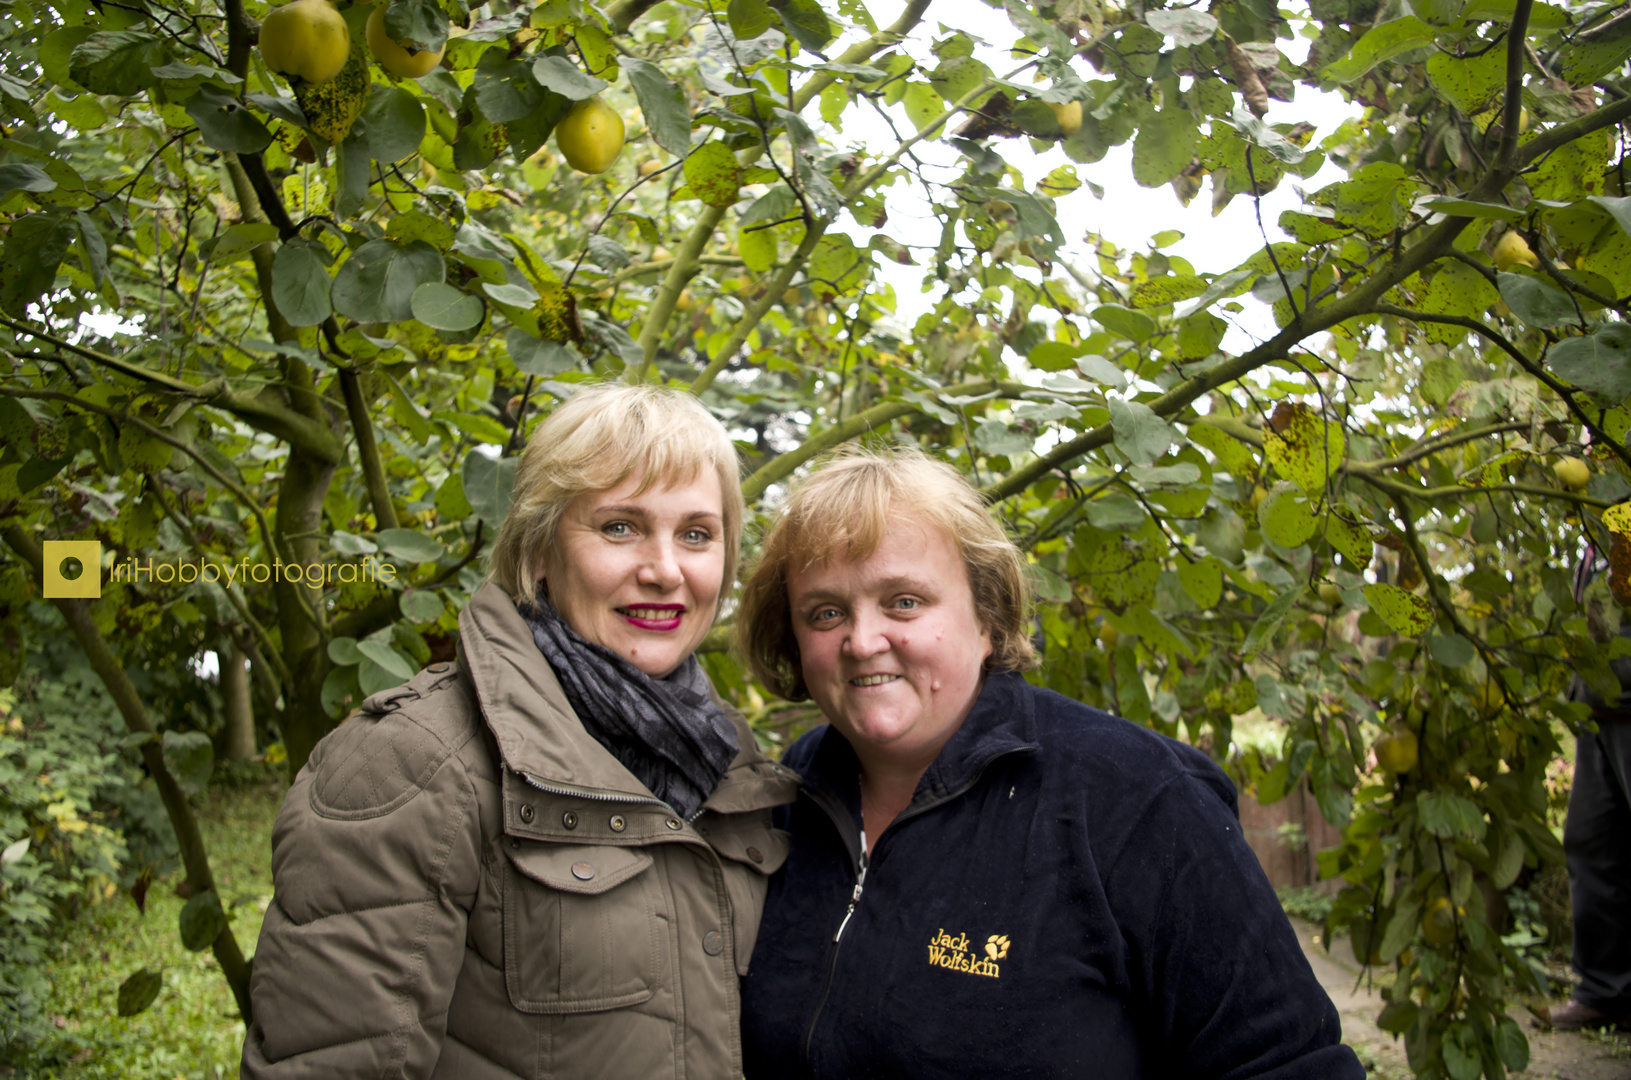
x: 1517, y: 36
x: 368, y: 450
x: 295, y: 429
x: 782, y: 465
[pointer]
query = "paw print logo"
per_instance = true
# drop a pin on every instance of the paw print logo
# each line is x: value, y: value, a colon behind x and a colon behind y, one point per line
x: 996, y: 946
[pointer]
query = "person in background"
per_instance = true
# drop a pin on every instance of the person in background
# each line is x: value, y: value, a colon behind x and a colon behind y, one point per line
x: 988, y: 879
x: 1597, y: 842
x: 549, y: 859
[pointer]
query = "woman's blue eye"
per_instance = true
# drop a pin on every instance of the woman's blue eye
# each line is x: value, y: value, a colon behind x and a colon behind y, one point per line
x: 906, y: 603
x: 697, y: 536
x: 617, y: 528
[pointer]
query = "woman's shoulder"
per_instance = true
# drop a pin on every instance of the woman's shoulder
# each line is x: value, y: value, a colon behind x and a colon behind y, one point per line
x: 396, y: 742
x: 1090, y: 744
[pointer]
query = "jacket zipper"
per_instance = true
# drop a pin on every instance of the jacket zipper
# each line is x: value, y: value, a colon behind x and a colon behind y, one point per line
x: 832, y: 953
x: 592, y: 796
x: 860, y: 883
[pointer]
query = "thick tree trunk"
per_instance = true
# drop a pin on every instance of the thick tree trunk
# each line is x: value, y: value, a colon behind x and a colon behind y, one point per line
x: 240, y: 734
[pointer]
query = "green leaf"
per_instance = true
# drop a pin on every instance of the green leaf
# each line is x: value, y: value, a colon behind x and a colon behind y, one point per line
x: 1398, y: 1017
x: 387, y: 659
x: 1535, y: 300
x: 1511, y: 1046
x: 340, y: 689
x: 1161, y: 291
x: 421, y: 605
x: 226, y: 124
x: 1595, y: 54
x: 1185, y: 26
x: 1400, y: 931
x: 507, y: 89
x: 1509, y: 862
x: 1164, y: 147
x: 1402, y: 610
x: 138, y: 990
x: 395, y: 122
x: 534, y: 357
x: 662, y: 103
x: 1287, y: 516
x: 1380, y: 43
x: 14, y: 852
x: 202, y: 921
x: 56, y: 51
x: 451, y: 505
x: 1451, y: 650
x: 1203, y: 581
x: 35, y: 247
x: 713, y: 174
x: 441, y: 306
x: 749, y: 18
x: 118, y: 62
x: 1135, y: 326
x: 1139, y: 433
x: 1447, y: 816
x: 1303, y: 447
x: 21, y: 176
x: 1599, y: 363
x: 242, y: 238
x: 410, y: 546
x: 559, y: 74
x: 300, y: 282
x: 417, y: 24
x: 1471, y: 84
x: 807, y: 23
x: 1262, y: 632
x: 190, y: 758
x: 352, y: 169
x: 758, y: 248
x: 1461, y: 1056
x: 377, y: 283
x: 343, y: 651
x: 487, y: 484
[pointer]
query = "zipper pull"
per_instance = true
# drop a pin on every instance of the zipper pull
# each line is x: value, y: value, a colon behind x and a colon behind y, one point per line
x: 855, y: 893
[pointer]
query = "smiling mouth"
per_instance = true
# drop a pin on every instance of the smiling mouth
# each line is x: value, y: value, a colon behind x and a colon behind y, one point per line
x: 873, y: 680
x: 654, y: 616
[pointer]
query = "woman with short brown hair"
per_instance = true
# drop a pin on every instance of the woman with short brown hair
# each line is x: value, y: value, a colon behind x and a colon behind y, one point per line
x: 986, y: 878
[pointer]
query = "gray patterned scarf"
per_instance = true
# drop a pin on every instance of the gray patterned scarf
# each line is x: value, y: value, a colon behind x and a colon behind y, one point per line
x: 668, y: 732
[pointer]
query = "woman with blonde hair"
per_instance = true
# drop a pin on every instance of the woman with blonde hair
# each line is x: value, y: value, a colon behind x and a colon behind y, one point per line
x: 986, y: 878
x: 549, y: 859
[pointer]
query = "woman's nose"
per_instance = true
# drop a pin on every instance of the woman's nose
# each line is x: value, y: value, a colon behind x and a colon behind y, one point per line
x: 866, y: 636
x: 658, y: 567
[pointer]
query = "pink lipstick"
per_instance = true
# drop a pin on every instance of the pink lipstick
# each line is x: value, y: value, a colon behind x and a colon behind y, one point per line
x: 661, y: 617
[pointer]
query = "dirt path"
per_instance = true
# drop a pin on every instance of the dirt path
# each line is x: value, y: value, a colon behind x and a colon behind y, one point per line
x: 1553, y: 1055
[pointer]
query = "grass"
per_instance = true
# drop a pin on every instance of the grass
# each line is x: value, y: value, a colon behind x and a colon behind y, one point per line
x: 192, y: 1029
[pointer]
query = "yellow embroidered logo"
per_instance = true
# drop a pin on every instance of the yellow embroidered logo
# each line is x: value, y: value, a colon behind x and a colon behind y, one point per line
x: 952, y: 951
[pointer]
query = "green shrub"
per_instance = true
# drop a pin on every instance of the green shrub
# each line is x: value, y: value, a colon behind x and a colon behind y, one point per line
x: 77, y: 825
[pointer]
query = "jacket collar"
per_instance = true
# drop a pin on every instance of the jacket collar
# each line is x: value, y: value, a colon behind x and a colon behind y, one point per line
x: 540, y: 736
x: 1002, y: 721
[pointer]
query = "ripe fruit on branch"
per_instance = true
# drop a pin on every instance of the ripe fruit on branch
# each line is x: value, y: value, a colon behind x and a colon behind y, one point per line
x: 1513, y: 249
x: 1398, y: 752
x: 649, y: 166
x: 1069, y: 116
x: 306, y: 40
x: 1330, y: 594
x: 1438, y: 922
x: 404, y: 63
x: 1572, y: 473
x: 591, y: 136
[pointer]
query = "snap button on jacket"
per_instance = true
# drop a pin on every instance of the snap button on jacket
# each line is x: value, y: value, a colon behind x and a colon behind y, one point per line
x: 468, y: 885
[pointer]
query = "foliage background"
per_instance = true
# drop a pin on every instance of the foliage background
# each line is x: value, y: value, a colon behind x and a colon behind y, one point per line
x: 347, y: 304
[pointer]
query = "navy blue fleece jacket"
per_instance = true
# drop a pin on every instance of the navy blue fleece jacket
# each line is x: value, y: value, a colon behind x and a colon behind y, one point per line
x: 1068, y: 895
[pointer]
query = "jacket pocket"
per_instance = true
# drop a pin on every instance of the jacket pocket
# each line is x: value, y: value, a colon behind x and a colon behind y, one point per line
x: 582, y: 928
